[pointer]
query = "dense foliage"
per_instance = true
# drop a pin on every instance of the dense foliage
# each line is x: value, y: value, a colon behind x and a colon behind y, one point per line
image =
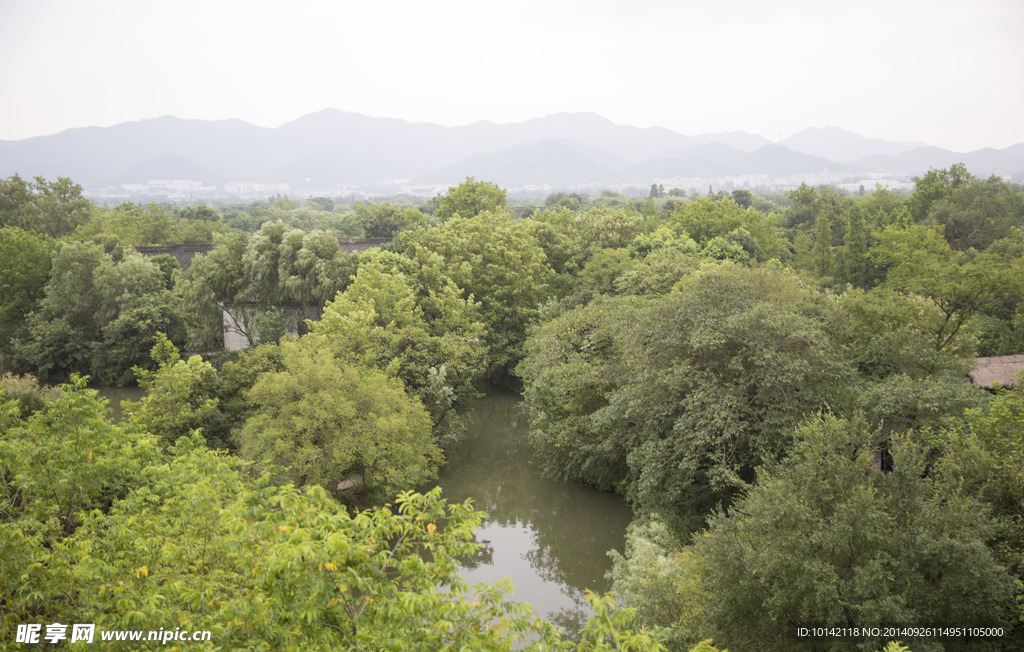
x: 101, y: 526
x: 776, y: 383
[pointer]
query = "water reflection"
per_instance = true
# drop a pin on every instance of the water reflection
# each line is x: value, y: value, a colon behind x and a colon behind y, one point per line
x: 550, y: 538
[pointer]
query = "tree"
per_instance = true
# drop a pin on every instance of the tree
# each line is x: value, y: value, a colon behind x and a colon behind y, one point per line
x: 69, y: 320
x: 408, y: 319
x: 569, y: 371
x: 822, y: 256
x: 130, y: 225
x: 705, y: 219
x: 743, y: 198
x: 182, y: 397
x: 53, y: 208
x: 920, y: 261
x: 321, y: 420
x: 603, y: 227
x: 23, y: 276
x: 975, y: 213
x: 601, y: 272
x: 674, y: 399
x: 855, y: 249
x: 662, y: 581
x: 905, y: 383
x: 99, y: 316
x: 825, y: 537
x: 65, y: 460
x: 934, y: 186
x: 993, y: 434
x: 384, y: 219
x: 138, y: 306
x: 495, y: 260
x: 471, y: 198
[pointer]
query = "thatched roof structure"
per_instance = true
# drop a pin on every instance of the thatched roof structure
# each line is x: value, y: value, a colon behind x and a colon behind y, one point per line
x: 1001, y: 370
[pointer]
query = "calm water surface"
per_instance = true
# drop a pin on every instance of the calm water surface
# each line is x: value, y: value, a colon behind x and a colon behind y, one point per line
x: 115, y: 395
x: 549, y: 537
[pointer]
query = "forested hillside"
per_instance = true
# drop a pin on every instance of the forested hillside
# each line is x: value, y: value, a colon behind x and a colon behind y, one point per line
x: 776, y: 383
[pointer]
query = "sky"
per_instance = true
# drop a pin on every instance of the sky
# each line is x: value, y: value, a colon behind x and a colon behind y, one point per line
x: 947, y: 73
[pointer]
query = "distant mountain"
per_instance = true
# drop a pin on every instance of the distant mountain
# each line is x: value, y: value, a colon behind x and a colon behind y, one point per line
x: 780, y: 160
x: 842, y: 146
x: 710, y: 160
x: 982, y: 162
x: 550, y: 162
x: 331, y: 148
x: 589, y: 129
x: 169, y: 166
x: 1016, y: 150
x: 740, y: 140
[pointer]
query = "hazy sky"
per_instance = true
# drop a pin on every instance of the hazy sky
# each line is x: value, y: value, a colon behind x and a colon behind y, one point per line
x: 948, y: 73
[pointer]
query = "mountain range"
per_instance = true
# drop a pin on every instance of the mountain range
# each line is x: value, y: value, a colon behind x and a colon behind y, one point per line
x: 334, y: 149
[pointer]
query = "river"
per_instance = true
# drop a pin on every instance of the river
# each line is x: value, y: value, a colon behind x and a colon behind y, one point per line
x: 549, y: 537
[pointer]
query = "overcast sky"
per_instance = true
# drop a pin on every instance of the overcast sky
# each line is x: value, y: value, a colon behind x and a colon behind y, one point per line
x: 948, y: 73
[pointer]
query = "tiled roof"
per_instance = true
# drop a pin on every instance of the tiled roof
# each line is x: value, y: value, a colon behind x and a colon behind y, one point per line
x: 183, y: 253
x: 1001, y: 370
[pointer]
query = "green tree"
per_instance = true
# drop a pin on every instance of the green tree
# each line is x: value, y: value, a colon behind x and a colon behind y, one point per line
x: 409, y: 320
x: 323, y: 420
x: 470, y: 198
x: 934, y: 186
x: 495, y: 260
x: 995, y: 433
x: 674, y: 399
x: 53, y: 208
x: 65, y: 460
x: 743, y: 198
x: 138, y: 306
x: 130, y: 225
x: 182, y: 396
x: 706, y: 219
x: 263, y: 286
x: 825, y: 537
x: 976, y: 213
x: 662, y: 580
x: 855, y: 248
x: 822, y: 256
x: 603, y: 227
x: 921, y: 262
x: 217, y: 297
x: 568, y: 373
x: 905, y: 383
x: 69, y: 321
x: 99, y: 316
x: 384, y: 219
x: 23, y: 277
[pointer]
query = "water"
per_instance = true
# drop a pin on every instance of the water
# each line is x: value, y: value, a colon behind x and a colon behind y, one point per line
x: 549, y: 537
x: 115, y: 395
